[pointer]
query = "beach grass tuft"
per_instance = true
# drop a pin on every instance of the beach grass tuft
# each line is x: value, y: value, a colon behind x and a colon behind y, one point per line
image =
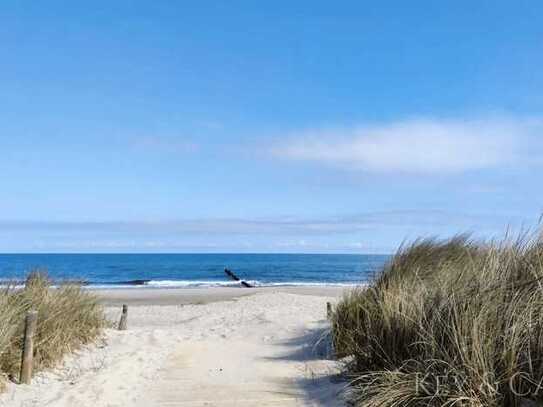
x: 68, y: 317
x: 447, y: 323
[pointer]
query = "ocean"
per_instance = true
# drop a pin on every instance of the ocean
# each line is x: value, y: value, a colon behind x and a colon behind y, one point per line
x: 195, y: 270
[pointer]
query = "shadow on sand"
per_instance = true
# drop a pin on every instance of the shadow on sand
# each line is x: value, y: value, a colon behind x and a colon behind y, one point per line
x: 322, y: 384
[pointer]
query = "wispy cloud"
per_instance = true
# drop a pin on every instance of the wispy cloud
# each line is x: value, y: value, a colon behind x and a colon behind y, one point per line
x: 367, y: 232
x: 416, y: 146
x: 293, y: 226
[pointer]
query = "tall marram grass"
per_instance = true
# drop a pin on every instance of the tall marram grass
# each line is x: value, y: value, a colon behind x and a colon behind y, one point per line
x: 447, y: 323
x: 68, y: 317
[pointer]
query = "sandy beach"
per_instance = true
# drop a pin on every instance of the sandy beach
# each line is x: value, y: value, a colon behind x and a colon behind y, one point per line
x: 183, y: 296
x: 199, y: 347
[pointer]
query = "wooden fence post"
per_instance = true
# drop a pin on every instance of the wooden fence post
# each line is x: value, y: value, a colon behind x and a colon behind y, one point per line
x: 124, y: 316
x: 328, y: 310
x: 28, y: 347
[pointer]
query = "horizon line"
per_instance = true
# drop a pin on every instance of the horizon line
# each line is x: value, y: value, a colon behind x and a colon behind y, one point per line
x: 192, y: 253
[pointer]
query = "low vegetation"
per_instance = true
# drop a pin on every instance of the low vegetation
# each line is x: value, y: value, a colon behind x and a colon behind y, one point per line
x: 68, y: 317
x: 447, y: 323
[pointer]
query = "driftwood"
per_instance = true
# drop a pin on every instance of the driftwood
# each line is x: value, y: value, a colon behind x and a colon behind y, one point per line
x: 230, y: 274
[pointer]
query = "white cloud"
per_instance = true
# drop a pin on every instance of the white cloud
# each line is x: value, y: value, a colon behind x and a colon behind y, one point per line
x: 371, y: 232
x: 416, y: 146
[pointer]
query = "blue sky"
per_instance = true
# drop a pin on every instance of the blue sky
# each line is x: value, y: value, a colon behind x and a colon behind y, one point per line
x: 134, y: 126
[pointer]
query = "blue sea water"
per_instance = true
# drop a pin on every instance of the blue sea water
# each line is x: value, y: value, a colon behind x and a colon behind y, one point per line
x: 195, y: 270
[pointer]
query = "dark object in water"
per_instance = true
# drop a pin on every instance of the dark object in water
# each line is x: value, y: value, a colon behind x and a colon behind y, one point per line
x: 230, y: 274
x: 135, y: 282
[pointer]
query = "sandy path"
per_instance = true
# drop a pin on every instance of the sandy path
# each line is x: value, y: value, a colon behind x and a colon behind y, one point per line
x: 242, y: 379
x: 255, y: 350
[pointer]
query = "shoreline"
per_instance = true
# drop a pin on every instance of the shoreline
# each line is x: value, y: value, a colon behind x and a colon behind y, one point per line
x: 185, y: 296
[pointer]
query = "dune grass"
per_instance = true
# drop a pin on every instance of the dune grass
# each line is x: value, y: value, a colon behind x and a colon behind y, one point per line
x: 68, y: 317
x: 447, y: 323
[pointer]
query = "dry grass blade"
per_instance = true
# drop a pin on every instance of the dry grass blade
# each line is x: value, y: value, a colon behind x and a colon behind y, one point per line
x: 447, y: 323
x: 68, y: 317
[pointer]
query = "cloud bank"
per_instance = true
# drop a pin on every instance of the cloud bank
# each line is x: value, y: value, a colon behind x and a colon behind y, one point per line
x: 372, y: 232
x: 416, y: 146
